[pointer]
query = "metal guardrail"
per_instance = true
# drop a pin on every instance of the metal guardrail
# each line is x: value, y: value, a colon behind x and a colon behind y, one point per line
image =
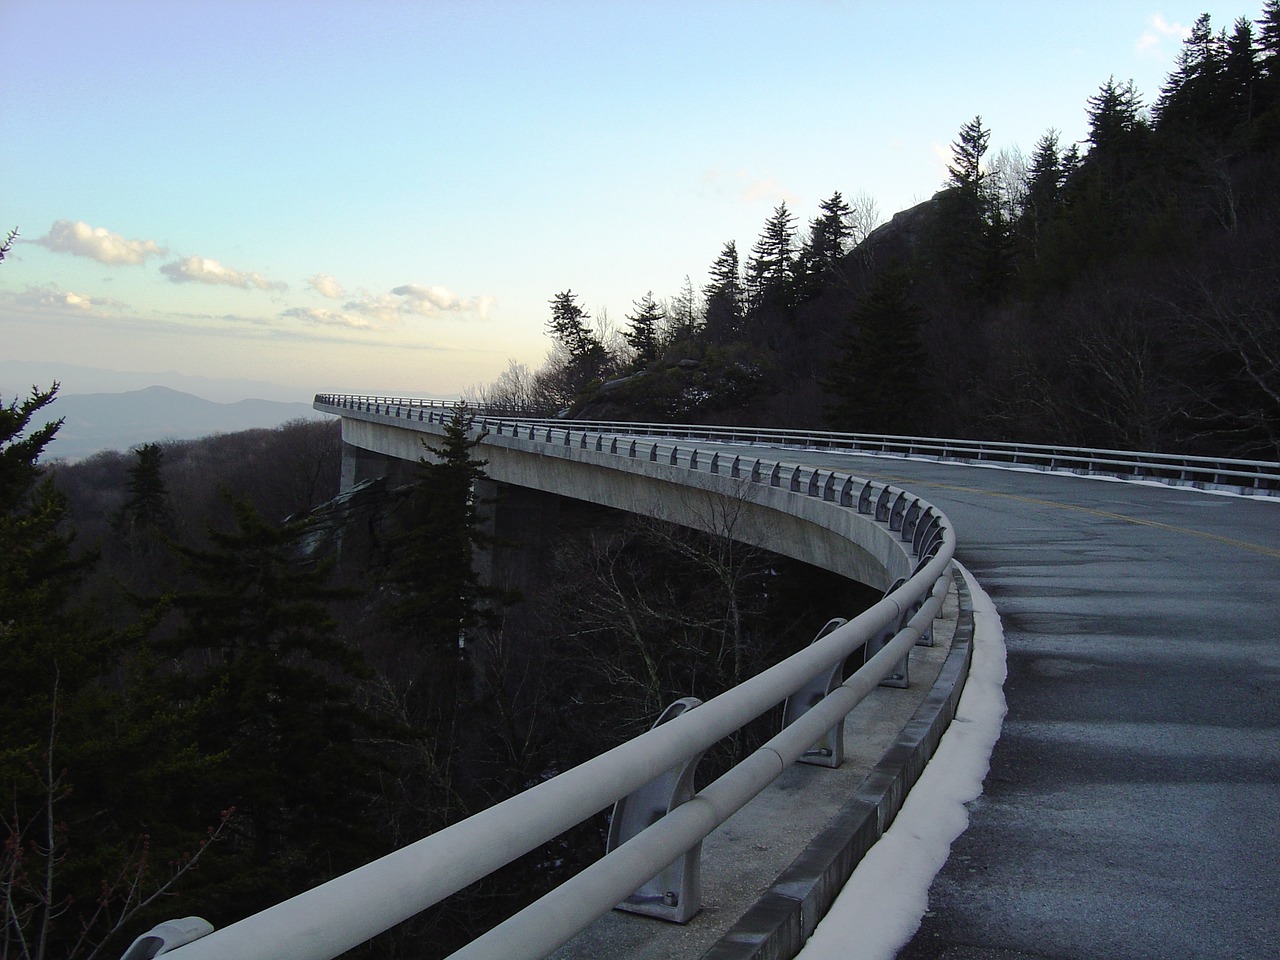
x: 1254, y: 477
x: 330, y: 919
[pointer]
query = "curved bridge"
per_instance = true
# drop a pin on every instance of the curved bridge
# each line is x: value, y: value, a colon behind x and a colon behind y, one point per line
x: 1131, y: 804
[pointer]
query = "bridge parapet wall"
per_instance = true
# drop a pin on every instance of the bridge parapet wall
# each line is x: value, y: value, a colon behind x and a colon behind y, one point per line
x: 779, y: 506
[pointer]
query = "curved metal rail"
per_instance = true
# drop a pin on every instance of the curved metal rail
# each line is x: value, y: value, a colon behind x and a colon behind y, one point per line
x: 329, y: 919
x: 1255, y: 477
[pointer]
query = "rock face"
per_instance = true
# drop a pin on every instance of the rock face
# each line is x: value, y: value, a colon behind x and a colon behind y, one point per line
x: 352, y: 527
x: 900, y: 238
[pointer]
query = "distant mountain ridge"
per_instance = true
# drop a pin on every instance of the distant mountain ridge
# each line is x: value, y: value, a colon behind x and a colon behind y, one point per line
x: 18, y: 376
x: 118, y: 421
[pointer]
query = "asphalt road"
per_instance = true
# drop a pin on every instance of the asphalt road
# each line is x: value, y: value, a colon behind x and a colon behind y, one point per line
x: 1132, y: 809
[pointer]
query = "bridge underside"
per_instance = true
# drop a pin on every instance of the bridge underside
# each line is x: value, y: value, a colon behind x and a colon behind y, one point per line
x: 750, y: 512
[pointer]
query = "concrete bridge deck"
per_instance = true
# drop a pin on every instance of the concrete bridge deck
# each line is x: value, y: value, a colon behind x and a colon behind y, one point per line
x: 1132, y: 803
x: 1131, y: 807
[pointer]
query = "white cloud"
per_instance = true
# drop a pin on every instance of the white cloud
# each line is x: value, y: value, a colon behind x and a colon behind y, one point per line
x: 203, y: 270
x: 413, y: 299
x: 326, y: 286
x: 328, y: 318
x: 1158, y: 31
x: 427, y: 300
x: 51, y: 304
x: 97, y: 243
x: 767, y: 189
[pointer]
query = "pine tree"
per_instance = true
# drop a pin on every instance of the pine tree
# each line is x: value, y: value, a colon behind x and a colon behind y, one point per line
x: 1241, y: 75
x: 436, y: 604
x: 969, y: 239
x: 82, y: 768
x: 684, y: 318
x: 829, y: 238
x: 266, y: 684
x: 147, y: 511
x: 875, y: 384
x: 438, y: 594
x: 1044, y: 192
x: 770, y: 282
x: 725, y: 297
x: 644, y: 332
x: 1118, y: 136
x: 587, y: 359
x: 965, y: 170
x: 1267, y: 100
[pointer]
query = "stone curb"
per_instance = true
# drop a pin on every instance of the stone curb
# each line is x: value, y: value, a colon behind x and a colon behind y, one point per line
x: 780, y: 922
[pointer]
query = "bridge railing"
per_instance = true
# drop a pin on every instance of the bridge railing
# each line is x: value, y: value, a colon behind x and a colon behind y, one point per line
x: 1256, y: 477
x: 338, y: 915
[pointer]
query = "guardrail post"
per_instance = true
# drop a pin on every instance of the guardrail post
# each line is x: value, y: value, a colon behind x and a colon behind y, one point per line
x: 775, y: 475
x: 900, y: 677
x: 795, y: 480
x: 882, y: 505
x: 613, y: 445
x: 864, y: 498
x: 674, y: 451
x: 715, y: 463
x: 827, y: 750
x: 909, y: 521
x: 896, y: 514
x: 675, y: 892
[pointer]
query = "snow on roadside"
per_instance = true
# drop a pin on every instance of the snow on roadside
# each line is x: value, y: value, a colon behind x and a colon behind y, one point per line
x: 882, y: 904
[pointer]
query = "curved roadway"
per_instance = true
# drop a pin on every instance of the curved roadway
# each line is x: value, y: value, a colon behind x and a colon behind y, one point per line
x: 1132, y: 809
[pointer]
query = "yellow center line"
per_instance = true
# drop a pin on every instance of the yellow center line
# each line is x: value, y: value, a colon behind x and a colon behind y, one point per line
x: 1217, y: 538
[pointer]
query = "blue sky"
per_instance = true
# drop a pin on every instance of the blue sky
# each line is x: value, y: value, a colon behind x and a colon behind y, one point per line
x: 382, y: 196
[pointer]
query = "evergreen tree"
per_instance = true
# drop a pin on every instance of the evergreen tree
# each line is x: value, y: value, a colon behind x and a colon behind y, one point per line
x: 267, y: 685
x: 1267, y: 99
x: 587, y: 359
x: 436, y: 601
x: 829, y: 237
x: 84, y: 772
x: 1191, y: 103
x: 1117, y: 135
x: 147, y: 509
x: 645, y: 329
x: 684, y: 317
x: 1241, y: 75
x: 770, y: 282
x: 875, y: 384
x: 725, y: 297
x: 437, y: 592
x: 969, y: 240
x: 965, y: 170
x: 1044, y: 192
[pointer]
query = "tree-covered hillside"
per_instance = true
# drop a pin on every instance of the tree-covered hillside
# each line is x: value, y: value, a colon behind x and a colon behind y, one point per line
x: 1118, y: 292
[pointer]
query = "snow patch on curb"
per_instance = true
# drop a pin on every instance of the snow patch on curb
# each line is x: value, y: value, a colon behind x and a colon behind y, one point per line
x: 881, y: 906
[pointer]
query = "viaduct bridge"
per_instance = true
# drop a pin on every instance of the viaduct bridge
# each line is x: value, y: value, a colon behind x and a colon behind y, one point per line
x: 1131, y: 806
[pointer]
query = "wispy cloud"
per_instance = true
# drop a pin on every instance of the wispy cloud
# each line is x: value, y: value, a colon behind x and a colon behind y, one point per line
x: 203, y: 270
x: 412, y: 299
x: 326, y: 286
x: 316, y: 316
x: 97, y: 243
x: 746, y: 187
x: 1158, y: 31
x: 53, y: 301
